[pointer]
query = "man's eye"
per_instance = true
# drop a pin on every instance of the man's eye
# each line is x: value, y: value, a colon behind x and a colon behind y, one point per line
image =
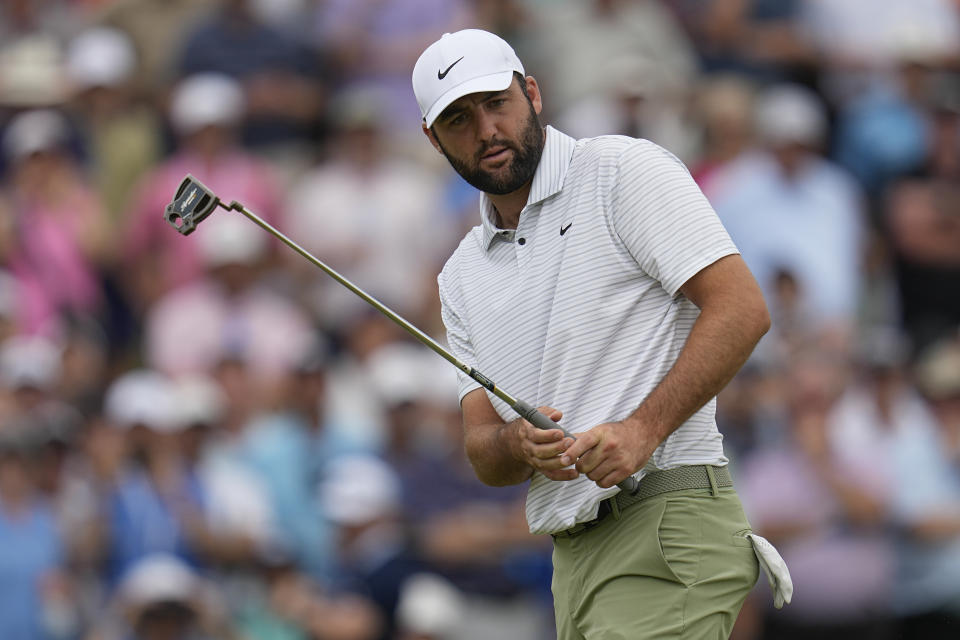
x: 458, y: 119
x: 497, y: 102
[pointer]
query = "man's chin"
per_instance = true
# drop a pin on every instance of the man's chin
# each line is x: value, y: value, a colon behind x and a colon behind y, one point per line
x: 499, y: 187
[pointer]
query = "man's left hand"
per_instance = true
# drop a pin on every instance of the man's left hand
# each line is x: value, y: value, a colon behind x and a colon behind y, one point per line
x: 610, y: 452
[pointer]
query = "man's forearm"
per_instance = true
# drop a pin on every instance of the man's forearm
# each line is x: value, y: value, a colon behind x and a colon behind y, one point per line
x: 493, y: 450
x: 718, y: 345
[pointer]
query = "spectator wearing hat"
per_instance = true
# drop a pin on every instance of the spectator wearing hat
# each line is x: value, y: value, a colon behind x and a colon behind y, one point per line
x: 157, y: 29
x: 789, y: 209
x: 290, y: 448
x: 280, y: 75
x: 474, y: 535
x: 162, y: 598
x: 157, y: 503
x: 121, y: 133
x: 723, y: 104
x: 34, y: 589
x: 205, y: 113
x: 231, y: 316
x: 55, y: 237
x: 361, y: 497
x: 29, y: 372
x: 187, y: 491
x: 237, y: 513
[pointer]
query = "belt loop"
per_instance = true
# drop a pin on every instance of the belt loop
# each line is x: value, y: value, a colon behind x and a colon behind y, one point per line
x: 714, y: 491
x: 615, y: 506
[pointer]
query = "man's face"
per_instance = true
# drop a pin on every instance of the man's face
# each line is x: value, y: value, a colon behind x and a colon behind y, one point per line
x: 493, y: 140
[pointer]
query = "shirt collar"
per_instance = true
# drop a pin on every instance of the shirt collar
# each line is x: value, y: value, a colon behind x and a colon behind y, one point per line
x: 547, y: 180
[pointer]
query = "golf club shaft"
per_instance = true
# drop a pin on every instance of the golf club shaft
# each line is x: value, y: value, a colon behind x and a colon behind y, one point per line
x: 524, y: 409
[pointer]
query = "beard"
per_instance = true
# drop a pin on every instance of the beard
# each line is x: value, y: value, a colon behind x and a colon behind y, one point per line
x: 526, y: 156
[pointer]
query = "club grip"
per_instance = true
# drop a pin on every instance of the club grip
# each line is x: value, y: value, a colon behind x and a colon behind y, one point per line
x: 540, y: 421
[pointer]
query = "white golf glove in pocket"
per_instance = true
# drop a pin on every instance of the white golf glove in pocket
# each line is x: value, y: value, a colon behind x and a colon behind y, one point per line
x: 776, y: 569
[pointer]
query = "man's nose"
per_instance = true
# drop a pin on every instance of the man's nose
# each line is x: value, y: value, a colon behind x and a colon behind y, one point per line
x: 486, y: 126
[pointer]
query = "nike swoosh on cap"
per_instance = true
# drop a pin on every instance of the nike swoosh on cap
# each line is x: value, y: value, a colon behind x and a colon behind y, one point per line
x: 443, y: 74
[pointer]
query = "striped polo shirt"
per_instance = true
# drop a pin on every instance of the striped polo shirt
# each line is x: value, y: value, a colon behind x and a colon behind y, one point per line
x: 579, y: 307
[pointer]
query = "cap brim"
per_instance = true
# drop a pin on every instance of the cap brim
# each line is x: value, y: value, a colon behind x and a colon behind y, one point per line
x: 493, y: 82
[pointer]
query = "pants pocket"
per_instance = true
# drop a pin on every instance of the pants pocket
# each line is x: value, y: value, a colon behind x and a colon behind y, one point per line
x: 681, y: 537
x: 740, y: 539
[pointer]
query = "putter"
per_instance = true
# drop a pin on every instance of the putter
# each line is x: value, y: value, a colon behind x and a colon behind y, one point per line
x: 192, y: 204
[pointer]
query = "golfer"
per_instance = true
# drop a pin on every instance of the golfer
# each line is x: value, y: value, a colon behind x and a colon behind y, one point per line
x: 601, y: 283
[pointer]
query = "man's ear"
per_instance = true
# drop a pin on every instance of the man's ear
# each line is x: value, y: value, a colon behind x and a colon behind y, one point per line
x: 533, y: 91
x: 431, y: 138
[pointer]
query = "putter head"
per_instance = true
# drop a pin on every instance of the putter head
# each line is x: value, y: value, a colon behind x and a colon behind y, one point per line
x: 190, y: 206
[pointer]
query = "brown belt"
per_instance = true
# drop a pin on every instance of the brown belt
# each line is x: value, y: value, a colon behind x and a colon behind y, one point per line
x: 653, y: 484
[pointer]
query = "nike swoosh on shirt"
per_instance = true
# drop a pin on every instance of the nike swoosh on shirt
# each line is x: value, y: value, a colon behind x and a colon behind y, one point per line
x: 563, y: 230
x: 443, y: 74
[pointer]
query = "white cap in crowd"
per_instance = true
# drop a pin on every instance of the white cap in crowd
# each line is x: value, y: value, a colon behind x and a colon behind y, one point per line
x: 159, y: 578
x: 791, y: 114
x: 100, y: 57
x: 29, y: 361
x: 402, y: 372
x: 142, y: 397
x: 198, y: 399
x: 206, y: 99
x: 359, y: 489
x: 226, y: 239
x: 468, y: 61
x: 429, y: 605
x: 33, y: 131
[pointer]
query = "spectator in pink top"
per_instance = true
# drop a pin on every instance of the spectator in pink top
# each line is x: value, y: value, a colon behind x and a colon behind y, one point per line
x: 205, y: 110
x: 52, y: 236
x: 229, y: 315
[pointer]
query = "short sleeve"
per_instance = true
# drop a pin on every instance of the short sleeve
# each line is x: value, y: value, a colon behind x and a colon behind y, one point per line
x: 662, y: 217
x: 458, y: 337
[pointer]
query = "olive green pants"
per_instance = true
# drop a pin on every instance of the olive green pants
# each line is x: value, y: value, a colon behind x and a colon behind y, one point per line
x: 675, y: 565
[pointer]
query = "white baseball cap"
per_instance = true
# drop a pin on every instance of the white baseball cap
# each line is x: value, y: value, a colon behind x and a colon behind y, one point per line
x: 468, y: 61
x: 790, y: 113
x: 205, y: 99
x: 100, y: 57
x: 36, y: 130
x: 359, y: 489
x: 29, y: 361
x: 143, y: 397
x: 159, y: 578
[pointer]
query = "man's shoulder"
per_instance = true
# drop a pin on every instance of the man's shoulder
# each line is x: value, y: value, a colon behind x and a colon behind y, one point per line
x: 605, y: 146
x: 614, y: 150
x: 470, y: 246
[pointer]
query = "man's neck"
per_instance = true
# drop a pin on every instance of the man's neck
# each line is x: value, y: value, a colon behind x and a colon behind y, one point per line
x: 509, y: 205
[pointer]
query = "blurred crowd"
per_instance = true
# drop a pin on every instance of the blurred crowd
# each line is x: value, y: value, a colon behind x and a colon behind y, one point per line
x: 206, y: 437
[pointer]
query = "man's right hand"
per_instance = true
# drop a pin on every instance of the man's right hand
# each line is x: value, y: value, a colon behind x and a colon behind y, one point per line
x: 541, y: 448
x: 506, y: 453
